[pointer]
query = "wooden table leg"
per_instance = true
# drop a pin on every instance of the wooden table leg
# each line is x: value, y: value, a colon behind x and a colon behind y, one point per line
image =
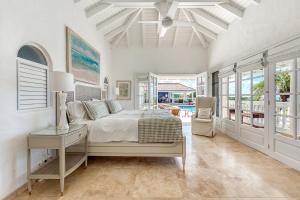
x: 29, y: 170
x: 62, y: 163
x: 86, y: 150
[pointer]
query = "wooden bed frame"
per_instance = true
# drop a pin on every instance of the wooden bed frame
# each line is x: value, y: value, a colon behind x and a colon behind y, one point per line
x: 130, y: 149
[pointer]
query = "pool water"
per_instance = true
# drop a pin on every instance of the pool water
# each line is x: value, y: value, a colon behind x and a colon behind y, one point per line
x: 188, y: 108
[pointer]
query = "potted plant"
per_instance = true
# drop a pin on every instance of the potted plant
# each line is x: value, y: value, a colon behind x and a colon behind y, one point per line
x: 283, y: 82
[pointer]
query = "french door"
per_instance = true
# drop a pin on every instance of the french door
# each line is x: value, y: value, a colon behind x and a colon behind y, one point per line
x: 202, y: 84
x: 252, y: 106
x: 153, y: 91
x: 285, y: 109
x: 146, y: 91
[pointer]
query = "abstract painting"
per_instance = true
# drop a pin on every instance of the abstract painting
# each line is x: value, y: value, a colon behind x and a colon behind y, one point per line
x: 124, y: 90
x: 83, y: 61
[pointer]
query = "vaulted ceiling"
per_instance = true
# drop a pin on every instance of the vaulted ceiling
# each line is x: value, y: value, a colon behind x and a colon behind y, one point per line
x: 202, y: 20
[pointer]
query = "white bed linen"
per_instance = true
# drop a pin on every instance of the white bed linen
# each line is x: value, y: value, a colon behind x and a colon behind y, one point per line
x: 122, y: 126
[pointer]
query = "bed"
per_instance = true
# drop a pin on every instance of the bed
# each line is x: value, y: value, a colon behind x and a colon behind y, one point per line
x: 107, y: 139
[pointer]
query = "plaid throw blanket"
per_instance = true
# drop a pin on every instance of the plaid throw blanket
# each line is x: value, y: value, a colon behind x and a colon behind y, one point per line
x: 158, y: 126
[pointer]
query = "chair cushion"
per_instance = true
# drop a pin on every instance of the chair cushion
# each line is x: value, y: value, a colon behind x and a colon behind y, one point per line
x: 204, y: 113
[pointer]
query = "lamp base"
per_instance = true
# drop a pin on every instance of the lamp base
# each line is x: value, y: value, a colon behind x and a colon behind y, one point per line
x: 63, y: 123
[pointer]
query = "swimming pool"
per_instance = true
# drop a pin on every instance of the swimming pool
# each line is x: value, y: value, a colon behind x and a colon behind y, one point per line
x: 188, y: 108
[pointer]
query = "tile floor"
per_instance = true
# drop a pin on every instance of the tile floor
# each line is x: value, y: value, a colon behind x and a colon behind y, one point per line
x: 218, y: 168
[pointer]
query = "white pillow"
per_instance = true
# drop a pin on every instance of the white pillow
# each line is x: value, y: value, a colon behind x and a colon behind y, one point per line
x: 204, y: 113
x: 76, y: 111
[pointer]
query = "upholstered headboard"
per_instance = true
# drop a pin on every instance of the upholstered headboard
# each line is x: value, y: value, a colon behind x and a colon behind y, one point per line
x: 84, y: 93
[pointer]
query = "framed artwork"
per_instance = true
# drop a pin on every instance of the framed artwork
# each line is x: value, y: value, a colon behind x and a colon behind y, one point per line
x: 124, y: 92
x: 83, y: 61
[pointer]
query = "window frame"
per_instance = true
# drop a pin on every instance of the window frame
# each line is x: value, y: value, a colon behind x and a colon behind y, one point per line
x: 20, y: 61
x: 227, y: 95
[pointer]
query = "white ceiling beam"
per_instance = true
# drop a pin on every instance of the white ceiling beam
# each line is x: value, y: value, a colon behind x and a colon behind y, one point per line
x: 142, y: 30
x: 205, y: 31
x: 201, y: 38
x: 158, y: 29
x: 176, y: 31
x: 97, y: 8
x: 255, y: 2
x: 151, y: 3
x: 232, y: 9
x: 127, y: 39
x: 191, y: 38
x: 115, y: 32
x: 210, y: 18
x: 130, y: 21
x: 122, y: 14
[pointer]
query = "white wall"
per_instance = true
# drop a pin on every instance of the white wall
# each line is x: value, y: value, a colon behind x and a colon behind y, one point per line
x: 42, y: 22
x: 271, y: 22
x: 129, y: 61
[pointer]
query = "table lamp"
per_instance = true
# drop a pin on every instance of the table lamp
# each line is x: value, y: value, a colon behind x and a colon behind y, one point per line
x: 62, y: 82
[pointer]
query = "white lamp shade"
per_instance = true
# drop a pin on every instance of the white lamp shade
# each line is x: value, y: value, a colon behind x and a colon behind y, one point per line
x: 62, y: 81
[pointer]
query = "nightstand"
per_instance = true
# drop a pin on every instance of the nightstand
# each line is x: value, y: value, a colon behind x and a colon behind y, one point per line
x: 66, y: 162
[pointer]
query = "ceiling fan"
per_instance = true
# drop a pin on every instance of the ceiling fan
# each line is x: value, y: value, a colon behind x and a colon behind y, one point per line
x: 167, y: 10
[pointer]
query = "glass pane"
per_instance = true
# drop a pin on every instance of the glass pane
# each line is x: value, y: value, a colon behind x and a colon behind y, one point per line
x: 258, y: 82
x: 231, y: 102
x: 284, y: 66
x: 283, y: 82
x: 258, y: 106
x: 246, y: 103
x: 258, y: 119
x: 231, y: 78
x: 225, y: 113
x: 246, y: 75
x: 246, y: 87
x: 224, y: 88
x: 231, y: 114
x: 283, y: 125
x: 246, y: 117
x: 231, y: 88
x: 224, y: 101
x: 283, y: 105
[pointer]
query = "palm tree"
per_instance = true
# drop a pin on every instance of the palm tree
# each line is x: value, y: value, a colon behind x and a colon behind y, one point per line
x: 258, y: 90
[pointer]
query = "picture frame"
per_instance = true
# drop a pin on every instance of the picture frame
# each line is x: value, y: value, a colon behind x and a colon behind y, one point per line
x: 124, y: 88
x: 82, y: 60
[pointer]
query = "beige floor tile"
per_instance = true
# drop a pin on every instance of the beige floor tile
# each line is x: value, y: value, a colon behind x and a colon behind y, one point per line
x: 218, y: 168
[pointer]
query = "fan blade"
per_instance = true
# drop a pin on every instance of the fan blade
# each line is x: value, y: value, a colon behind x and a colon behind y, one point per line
x: 172, y: 9
x: 163, y: 31
x: 182, y: 23
x: 149, y: 22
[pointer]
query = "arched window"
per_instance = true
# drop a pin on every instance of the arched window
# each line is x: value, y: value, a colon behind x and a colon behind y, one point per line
x: 32, y: 78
